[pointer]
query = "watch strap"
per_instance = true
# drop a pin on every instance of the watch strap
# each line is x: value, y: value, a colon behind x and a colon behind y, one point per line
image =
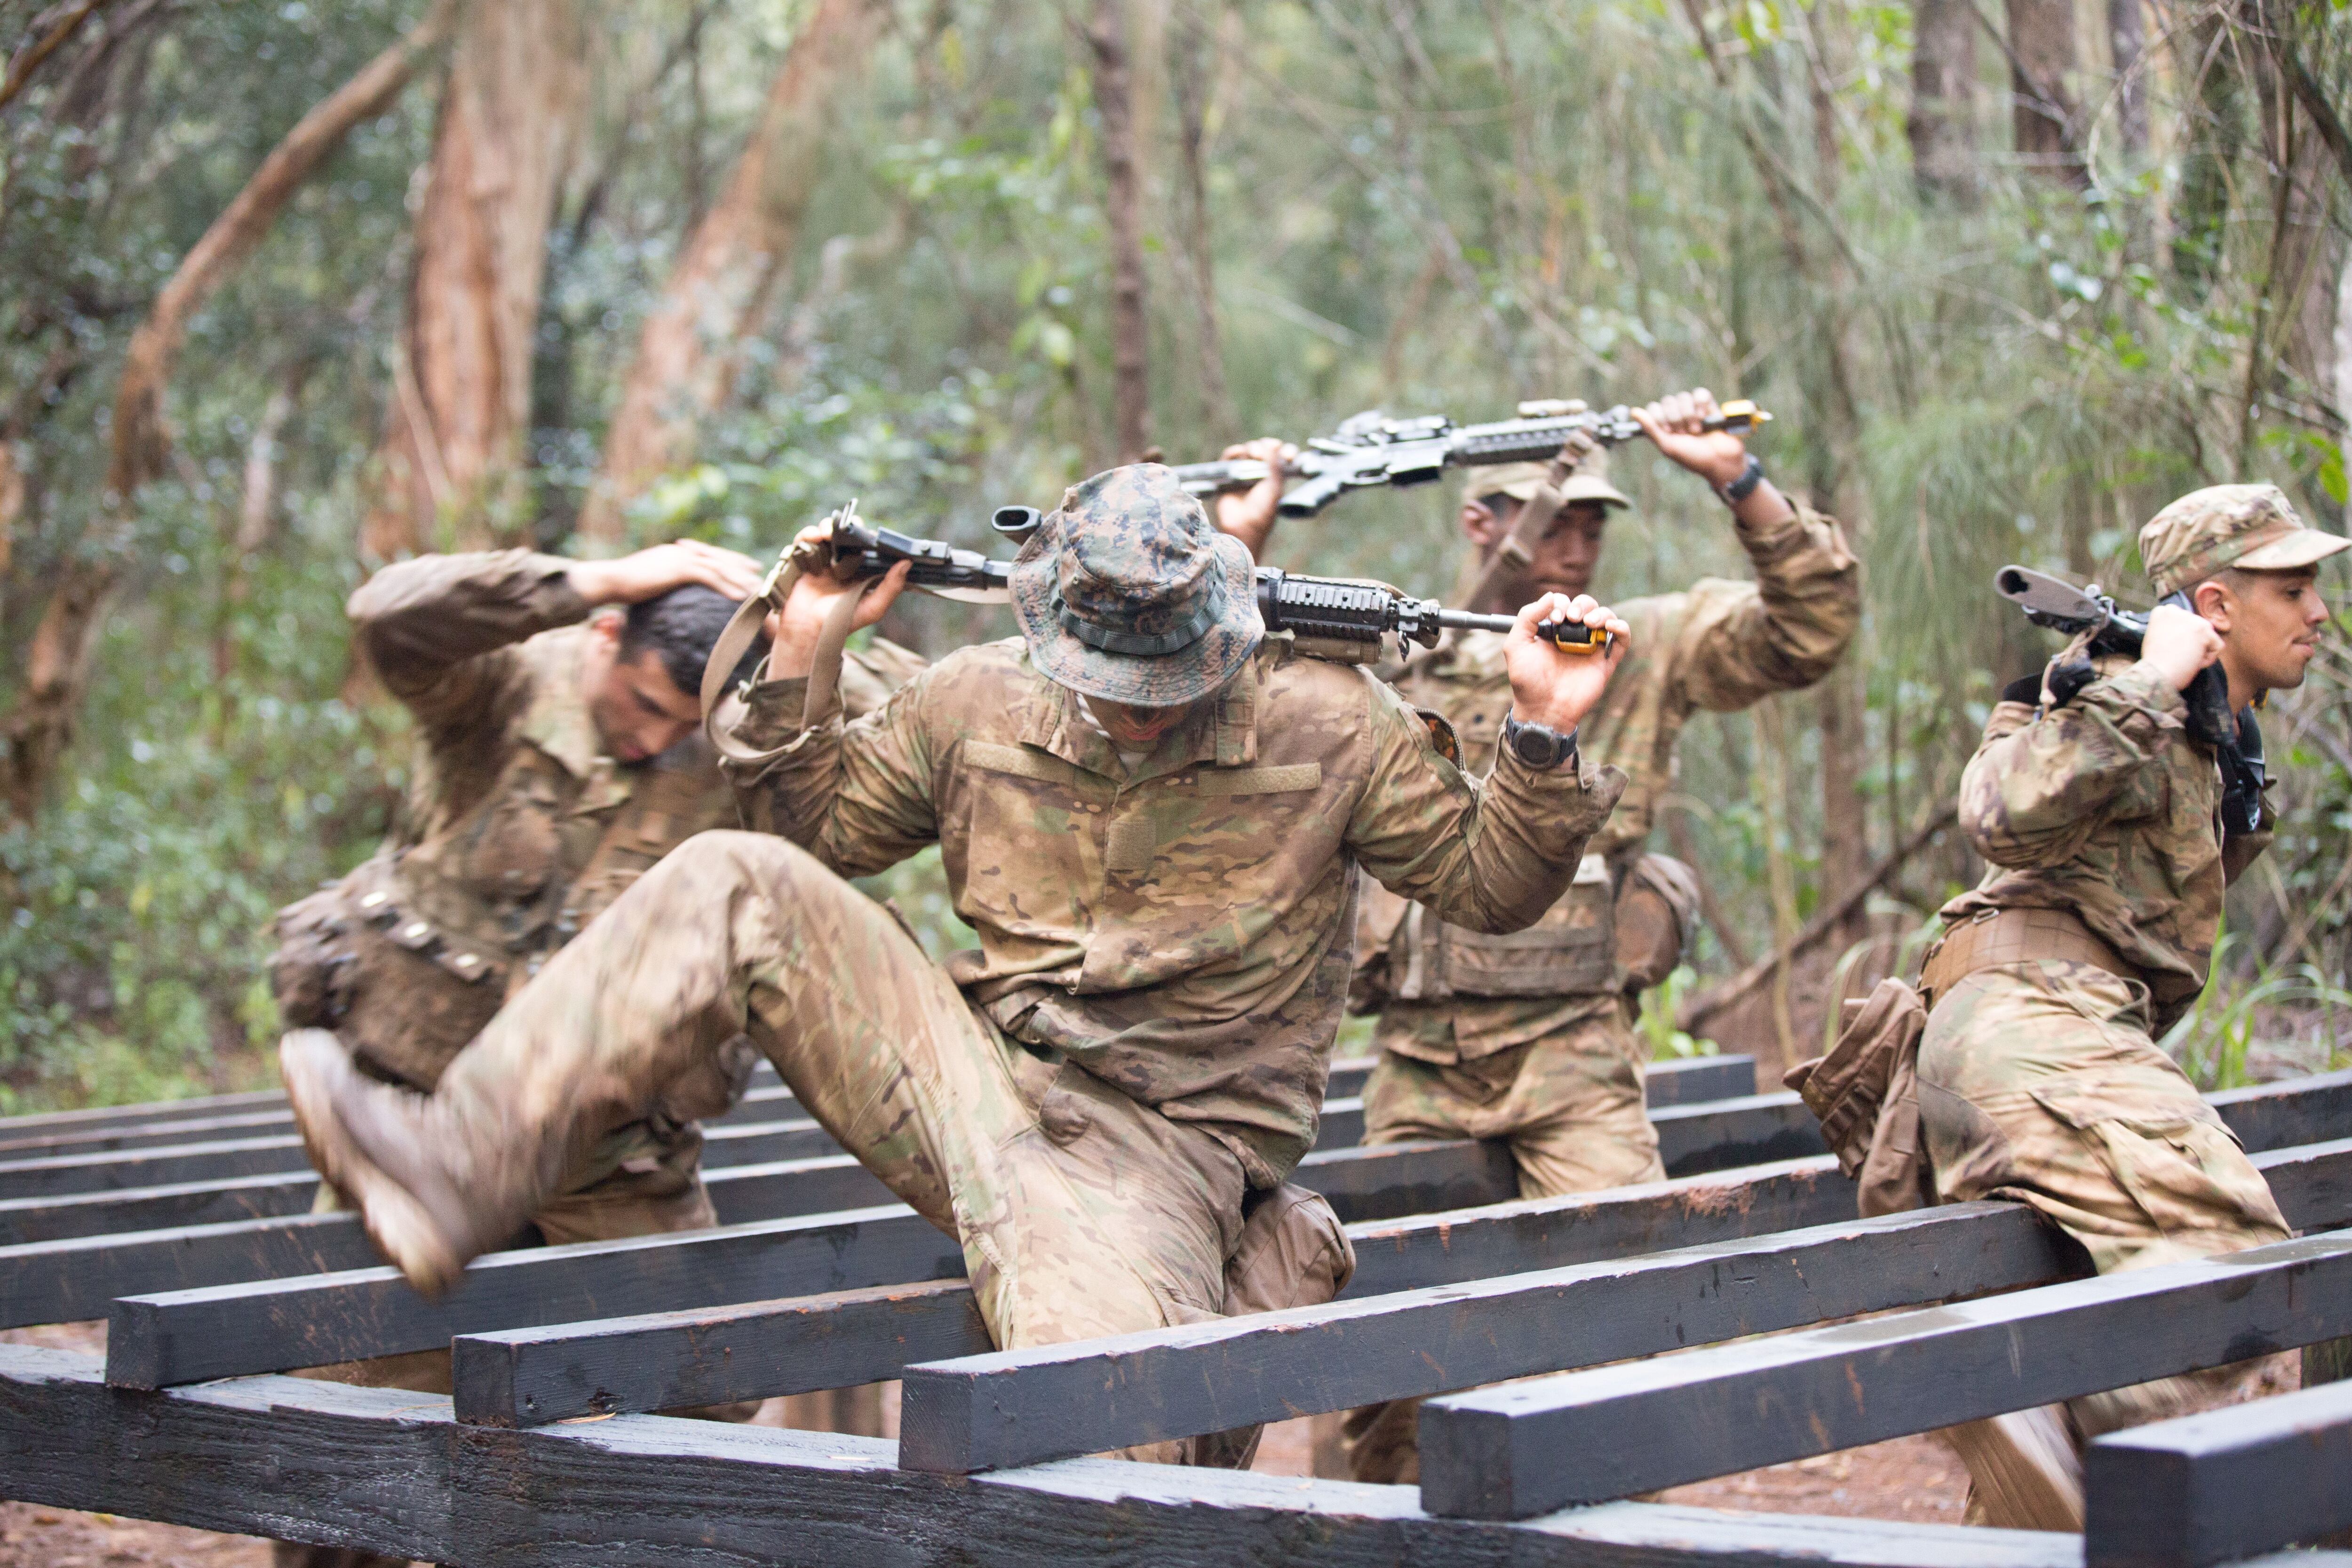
x: 1562, y: 748
x: 1740, y: 489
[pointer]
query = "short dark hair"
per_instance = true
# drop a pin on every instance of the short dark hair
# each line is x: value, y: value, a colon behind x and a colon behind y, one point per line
x: 683, y: 627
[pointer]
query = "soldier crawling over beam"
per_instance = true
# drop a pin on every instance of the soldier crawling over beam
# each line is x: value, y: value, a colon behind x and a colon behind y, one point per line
x: 1528, y: 1038
x: 558, y: 759
x: 1151, y: 811
x: 2037, y: 1075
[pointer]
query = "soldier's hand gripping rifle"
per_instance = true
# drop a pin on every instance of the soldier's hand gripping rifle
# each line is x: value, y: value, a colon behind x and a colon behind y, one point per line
x: 1372, y: 449
x: 2236, y: 739
x: 1341, y: 609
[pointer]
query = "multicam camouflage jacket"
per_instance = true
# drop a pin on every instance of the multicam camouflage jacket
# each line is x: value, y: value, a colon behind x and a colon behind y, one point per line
x: 1720, y: 647
x: 1180, y: 930
x: 517, y: 827
x: 2107, y: 808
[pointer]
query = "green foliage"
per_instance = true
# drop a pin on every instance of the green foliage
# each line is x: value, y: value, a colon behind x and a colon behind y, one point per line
x: 1443, y: 207
x: 1656, y: 1025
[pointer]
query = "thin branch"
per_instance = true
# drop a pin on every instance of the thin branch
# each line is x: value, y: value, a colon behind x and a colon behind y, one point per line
x: 21, y: 69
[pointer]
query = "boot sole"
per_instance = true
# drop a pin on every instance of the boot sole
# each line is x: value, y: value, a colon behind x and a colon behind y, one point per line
x: 399, y: 1225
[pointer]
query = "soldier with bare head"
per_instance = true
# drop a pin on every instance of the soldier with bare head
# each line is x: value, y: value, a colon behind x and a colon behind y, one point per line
x: 1149, y: 810
x: 1529, y: 1037
x: 2093, y: 932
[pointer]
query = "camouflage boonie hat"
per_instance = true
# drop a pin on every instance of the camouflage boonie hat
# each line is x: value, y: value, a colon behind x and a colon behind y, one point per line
x: 1519, y: 481
x: 2250, y: 527
x: 1125, y: 592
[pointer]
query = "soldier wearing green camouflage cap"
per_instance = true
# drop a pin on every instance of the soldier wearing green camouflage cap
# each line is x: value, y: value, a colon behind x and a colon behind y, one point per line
x: 1528, y: 1038
x: 2089, y: 937
x: 1149, y: 811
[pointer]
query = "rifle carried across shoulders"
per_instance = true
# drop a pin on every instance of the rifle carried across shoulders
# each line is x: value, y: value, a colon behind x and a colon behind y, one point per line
x: 1336, y: 608
x: 1371, y: 450
x: 2236, y: 739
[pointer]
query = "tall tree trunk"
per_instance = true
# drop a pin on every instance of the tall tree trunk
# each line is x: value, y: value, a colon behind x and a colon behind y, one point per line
x: 460, y: 410
x: 2127, y: 41
x: 2043, y: 62
x: 1131, y: 326
x: 724, y: 282
x: 58, y: 660
x: 1944, y: 160
x: 1191, y: 73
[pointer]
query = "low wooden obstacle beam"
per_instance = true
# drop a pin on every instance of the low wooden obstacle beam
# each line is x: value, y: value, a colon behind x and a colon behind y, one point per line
x: 2218, y: 1487
x: 525, y: 1376
x: 1611, y: 1432
x: 386, y: 1470
x: 995, y: 1410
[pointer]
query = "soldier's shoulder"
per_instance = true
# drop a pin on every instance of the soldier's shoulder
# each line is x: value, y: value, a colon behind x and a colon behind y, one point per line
x: 977, y: 666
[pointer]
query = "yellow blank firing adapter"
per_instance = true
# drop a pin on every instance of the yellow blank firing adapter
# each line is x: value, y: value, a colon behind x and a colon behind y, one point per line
x: 1573, y: 637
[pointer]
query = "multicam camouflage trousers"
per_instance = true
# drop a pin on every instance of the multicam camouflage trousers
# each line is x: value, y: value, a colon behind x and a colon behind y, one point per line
x: 1080, y: 1212
x: 1571, y: 1105
x: 2039, y: 1083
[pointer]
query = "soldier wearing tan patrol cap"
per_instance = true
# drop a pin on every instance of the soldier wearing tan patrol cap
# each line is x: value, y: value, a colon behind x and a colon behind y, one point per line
x: 2089, y: 937
x: 1529, y: 1037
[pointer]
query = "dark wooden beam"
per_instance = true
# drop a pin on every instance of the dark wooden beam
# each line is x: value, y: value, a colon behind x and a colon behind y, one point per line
x: 1019, y: 1407
x: 1718, y: 1135
x: 24, y: 1221
x: 386, y: 1470
x: 1586, y: 1436
x: 214, y: 1160
x: 16, y: 1144
x: 2296, y: 1110
x: 996, y: 1410
x: 188, y: 1336
x: 1683, y: 1080
x: 658, y: 1363
x: 2221, y: 1486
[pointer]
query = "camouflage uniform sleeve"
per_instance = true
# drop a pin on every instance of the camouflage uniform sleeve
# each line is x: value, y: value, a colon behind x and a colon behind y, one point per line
x: 1492, y: 855
x: 858, y: 796
x: 2037, y: 789
x: 432, y: 628
x: 1784, y: 631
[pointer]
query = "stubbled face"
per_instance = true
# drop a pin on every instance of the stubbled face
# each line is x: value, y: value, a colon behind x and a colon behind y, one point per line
x: 638, y: 710
x: 1565, y: 558
x: 2270, y: 623
x: 1131, y: 728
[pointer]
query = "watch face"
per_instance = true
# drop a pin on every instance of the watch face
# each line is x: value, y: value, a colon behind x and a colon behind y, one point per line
x: 1535, y: 748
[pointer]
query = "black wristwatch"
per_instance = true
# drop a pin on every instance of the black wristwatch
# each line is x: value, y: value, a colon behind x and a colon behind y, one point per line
x: 1539, y: 746
x: 1740, y: 489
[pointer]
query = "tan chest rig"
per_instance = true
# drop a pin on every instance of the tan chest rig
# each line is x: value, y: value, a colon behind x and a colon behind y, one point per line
x: 409, y: 956
x: 1571, y: 951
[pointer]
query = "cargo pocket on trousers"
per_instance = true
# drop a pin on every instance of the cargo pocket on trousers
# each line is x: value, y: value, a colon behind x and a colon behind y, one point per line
x: 2181, y: 1167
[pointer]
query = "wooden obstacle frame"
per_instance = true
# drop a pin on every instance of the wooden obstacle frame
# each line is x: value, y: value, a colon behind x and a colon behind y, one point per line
x: 1616, y: 1308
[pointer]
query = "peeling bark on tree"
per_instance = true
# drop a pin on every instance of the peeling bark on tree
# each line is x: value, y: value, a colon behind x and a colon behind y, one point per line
x: 1131, y: 326
x: 724, y: 282
x: 1944, y: 159
x: 56, y: 663
x: 460, y: 410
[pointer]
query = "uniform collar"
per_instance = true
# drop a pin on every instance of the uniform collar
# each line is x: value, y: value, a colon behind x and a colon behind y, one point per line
x: 557, y: 722
x: 1224, y: 731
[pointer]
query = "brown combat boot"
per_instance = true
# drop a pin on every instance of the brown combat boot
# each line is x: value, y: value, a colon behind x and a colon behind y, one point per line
x: 2025, y: 1469
x: 424, y: 1204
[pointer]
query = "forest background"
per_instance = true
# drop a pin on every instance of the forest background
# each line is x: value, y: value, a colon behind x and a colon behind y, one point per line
x: 290, y: 288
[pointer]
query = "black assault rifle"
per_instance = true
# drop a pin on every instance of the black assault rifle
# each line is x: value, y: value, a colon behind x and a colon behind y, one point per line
x: 1344, y: 609
x: 2236, y: 740
x: 1370, y: 448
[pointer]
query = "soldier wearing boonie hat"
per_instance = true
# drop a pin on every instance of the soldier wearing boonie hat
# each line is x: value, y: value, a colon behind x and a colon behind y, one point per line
x: 1151, y: 812
x: 1532, y: 1042
x: 2090, y: 934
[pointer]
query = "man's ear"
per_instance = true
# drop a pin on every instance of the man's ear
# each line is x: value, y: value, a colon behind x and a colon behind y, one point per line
x: 2214, y: 601
x: 1480, y: 525
x: 607, y: 624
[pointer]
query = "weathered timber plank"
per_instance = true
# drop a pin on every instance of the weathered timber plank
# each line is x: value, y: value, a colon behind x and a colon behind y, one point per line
x: 389, y: 1472
x: 1717, y: 1135
x: 1384, y: 1179
x: 187, y: 1336
x: 1583, y: 1436
x: 764, y: 1143
x: 1341, y: 1125
x: 994, y: 1410
x: 101, y: 1140
x: 748, y: 1353
x: 147, y: 1110
x: 211, y: 1161
x: 1684, y: 1080
x: 30, y: 1220
x: 2309, y: 1110
x: 2218, y: 1487
x: 663, y: 1361
x: 70, y: 1281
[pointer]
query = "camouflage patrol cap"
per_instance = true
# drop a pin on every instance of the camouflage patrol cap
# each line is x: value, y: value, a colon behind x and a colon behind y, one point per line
x: 2250, y: 527
x: 1519, y: 481
x: 1125, y: 592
